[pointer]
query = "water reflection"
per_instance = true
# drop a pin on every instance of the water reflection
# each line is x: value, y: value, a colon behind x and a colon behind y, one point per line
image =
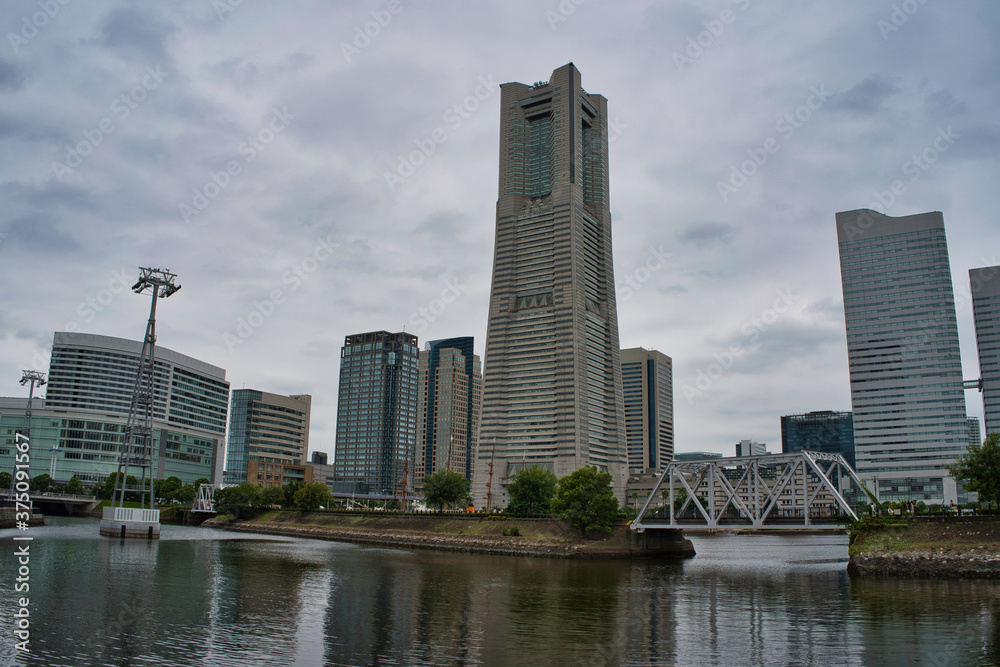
x: 743, y: 601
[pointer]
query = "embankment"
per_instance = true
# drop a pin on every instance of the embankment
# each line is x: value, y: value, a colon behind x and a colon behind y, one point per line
x: 949, y: 547
x: 547, y: 538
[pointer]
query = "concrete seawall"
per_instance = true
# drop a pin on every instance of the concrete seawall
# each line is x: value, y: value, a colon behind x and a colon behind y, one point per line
x: 546, y: 538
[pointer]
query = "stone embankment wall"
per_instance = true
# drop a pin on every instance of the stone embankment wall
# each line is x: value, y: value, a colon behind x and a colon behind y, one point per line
x: 952, y: 547
x: 547, y: 538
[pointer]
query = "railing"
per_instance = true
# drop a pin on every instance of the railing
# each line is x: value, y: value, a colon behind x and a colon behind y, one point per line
x: 135, y: 514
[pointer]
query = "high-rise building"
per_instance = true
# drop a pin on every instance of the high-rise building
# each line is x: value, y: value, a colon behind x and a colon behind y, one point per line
x: 377, y: 411
x: 902, y: 347
x: 271, y: 430
x: 82, y: 419
x: 821, y: 431
x: 647, y: 390
x: 975, y: 433
x: 449, y: 390
x: 985, y: 284
x: 748, y: 448
x: 552, y: 380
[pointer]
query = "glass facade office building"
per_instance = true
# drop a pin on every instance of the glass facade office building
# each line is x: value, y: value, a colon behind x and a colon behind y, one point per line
x: 822, y: 431
x: 450, y: 387
x: 268, y: 428
x: 377, y: 411
x: 907, y: 392
x: 81, y: 421
x: 552, y: 379
x: 985, y: 286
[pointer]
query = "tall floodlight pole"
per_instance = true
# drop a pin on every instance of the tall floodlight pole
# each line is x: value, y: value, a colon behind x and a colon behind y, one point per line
x: 32, y: 378
x: 137, y: 444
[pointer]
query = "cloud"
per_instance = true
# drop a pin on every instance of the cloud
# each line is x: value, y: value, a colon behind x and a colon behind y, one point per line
x: 707, y: 234
x: 11, y: 76
x: 869, y: 96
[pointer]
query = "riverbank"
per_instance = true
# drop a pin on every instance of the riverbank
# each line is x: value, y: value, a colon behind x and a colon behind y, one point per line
x: 952, y: 547
x: 547, y: 538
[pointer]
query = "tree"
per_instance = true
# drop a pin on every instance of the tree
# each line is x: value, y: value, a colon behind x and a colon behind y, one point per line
x: 585, y: 502
x: 531, y: 491
x: 41, y: 483
x: 980, y: 466
x: 185, y: 495
x: 74, y: 486
x: 445, y: 487
x: 313, y: 495
x: 167, y: 488
x: 5, y: 480
x: 290, y: 490
x: 241, y: 501
x: 273, y: 495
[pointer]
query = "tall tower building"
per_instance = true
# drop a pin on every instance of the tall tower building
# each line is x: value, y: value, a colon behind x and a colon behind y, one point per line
x: 985, y: 284
x: 271, y: 430
x: 552, y: 381
x: 377, y: 411
x: 647, y: 385
x: 449, y: 393
x: 902, y: 347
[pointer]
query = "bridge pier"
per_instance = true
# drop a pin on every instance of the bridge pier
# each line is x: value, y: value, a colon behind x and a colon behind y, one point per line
x: 659, y: 543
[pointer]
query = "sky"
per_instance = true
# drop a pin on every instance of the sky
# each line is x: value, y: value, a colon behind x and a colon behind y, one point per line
x: 311, y: 170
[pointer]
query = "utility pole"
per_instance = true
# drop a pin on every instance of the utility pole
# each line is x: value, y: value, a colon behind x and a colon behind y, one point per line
x: 34, y: 378
x: 136, y: 447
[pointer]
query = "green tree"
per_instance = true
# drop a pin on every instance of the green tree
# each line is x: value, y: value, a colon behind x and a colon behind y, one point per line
x: 242, y: 501
x: 585, y: 502
x: 74, y: 486
x: 290, y: 490
x: 273, y: 495
x: 531, y: 491
x: 201, y: 480
x: 41, y: 483
x: 445, y: 487
x: 5, y: 479
x: 170, y: 487
x: 980, y: 466
x: 313, y: 495
x: 185, y: 495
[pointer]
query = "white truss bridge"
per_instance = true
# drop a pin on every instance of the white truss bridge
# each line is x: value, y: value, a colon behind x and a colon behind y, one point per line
x: 775, y: 491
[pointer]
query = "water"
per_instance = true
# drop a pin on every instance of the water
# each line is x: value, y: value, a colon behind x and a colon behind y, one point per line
x: 204, y: 597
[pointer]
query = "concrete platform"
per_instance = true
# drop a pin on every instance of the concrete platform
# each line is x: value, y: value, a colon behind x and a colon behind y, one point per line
x: 130, y: 522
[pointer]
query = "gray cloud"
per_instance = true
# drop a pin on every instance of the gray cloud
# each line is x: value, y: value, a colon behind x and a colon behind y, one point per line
x: 706, y: 234
x: 869, y: 96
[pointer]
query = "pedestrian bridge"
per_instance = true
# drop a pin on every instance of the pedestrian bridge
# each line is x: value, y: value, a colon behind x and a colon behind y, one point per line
x: 800, y: 491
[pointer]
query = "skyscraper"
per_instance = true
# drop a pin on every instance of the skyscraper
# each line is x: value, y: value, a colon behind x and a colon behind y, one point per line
x: 552, y: 382
x: 647, y: 385
x: 272, y: 430
x: 985, y: 283
x: 377, y: 411
x: 902, y: 348
x: 450, y: 393
x: 821, y: 431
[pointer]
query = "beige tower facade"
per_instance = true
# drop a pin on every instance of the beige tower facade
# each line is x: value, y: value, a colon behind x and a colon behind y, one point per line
x: 647, y: 384
x: 552, y: 378
x: 449, y: 390
x: 270, y: 430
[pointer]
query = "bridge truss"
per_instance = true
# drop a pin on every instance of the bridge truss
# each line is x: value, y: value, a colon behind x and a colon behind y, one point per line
x: 787, y: 491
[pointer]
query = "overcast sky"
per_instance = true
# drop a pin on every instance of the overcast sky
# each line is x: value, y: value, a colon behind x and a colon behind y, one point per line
x: 316, y: 169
